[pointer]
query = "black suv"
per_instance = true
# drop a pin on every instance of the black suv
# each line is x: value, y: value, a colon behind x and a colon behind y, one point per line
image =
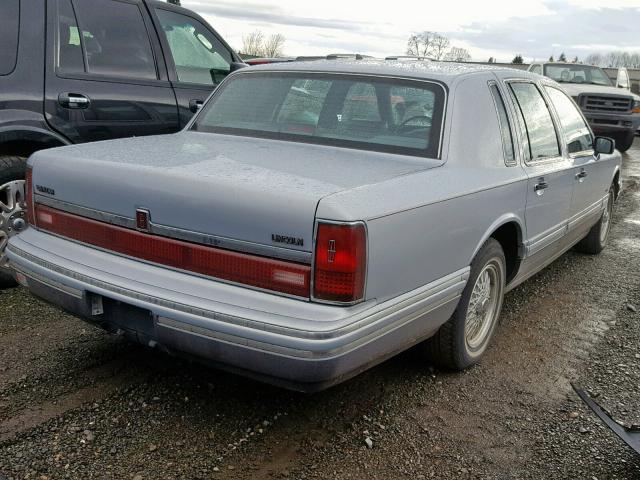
x: 75, y: 71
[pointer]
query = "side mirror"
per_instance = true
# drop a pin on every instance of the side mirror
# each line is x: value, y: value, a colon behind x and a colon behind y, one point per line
x: 237, y: 66
x: 604, y: 145
x: 218, y: 75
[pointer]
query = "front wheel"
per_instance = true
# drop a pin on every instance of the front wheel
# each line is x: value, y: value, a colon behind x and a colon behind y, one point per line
x: 624, y: 141
x: 598, y: 236
x: 12, y: 208
x: 462, y: 341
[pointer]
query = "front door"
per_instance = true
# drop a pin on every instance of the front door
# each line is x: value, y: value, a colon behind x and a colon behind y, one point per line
x: 198, y: 60
x: 592, y: 175
x: 550, y: 174
x: 104, y: 76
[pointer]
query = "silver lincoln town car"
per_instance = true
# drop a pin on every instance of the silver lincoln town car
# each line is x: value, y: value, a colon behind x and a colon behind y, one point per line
x: 317, y: 218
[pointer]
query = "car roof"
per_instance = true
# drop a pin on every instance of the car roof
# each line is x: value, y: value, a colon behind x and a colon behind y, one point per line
x: 566, y: 64
x: 446, y: 72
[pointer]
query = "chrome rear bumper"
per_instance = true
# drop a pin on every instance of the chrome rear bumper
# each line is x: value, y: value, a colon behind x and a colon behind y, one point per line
x: 286, y: 341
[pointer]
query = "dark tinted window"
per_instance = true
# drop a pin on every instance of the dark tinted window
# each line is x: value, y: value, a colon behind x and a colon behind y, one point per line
x: 505, y: 128
x: 360, y: 112
x: 9, y: 24
x: 576, y: 132
x: 69, y: 47
x: 115, y: 39
x: 543, y: 142
x: 198, y: 55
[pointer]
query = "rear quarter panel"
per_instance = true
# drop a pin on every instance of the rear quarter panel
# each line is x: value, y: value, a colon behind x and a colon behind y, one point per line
x: 427, y: 225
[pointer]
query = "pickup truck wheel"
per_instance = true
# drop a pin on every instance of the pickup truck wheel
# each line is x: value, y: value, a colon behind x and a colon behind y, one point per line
x: 597, y: 238
x: 624, y: 141
x: 461, y: 342
x: 12, y: 207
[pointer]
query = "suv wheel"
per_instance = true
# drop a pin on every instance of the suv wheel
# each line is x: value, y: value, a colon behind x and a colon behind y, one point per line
x: 12, y: 208
x: 462, y: 341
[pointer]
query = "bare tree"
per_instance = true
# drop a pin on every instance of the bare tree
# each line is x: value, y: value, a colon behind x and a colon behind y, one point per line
x: 273, y: 45
x: 440, y: 44
x: 252, y: 44
x: 457, y: 54
x: 594, y: 59
x: 614, y: 59
x: 421, y: 44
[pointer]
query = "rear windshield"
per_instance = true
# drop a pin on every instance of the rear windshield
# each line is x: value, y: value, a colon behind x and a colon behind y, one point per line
x: 9, y: 22
x: 380, y: 114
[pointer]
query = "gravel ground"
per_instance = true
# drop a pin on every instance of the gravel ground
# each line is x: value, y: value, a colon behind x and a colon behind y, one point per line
x: 76, y: 403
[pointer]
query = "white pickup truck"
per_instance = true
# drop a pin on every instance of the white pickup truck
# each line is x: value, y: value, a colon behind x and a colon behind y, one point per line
x: 611, y: 111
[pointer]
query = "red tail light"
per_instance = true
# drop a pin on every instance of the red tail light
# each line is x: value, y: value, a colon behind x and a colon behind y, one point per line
x: 266, y: 273
x: 340, y: 262
x: 28, y: 191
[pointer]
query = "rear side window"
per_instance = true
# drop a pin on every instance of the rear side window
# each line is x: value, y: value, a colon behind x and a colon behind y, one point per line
x: 69, y: 51
x: 9, y: 26
x: 576, y: 131
x: 541, y: 133
x: 536, y: 69
x: 114, y: 39
x: 505, y: 128
x: 380, y: 114
x: 198, y: 55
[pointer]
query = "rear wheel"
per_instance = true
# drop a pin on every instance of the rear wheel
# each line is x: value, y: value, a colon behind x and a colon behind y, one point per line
x: 624, y: 141
x: 12, y: 208
x: 462, y: 341
x: 597, y: 238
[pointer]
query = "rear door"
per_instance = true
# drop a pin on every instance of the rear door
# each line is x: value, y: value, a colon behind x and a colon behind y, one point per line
x: 105, y: 77
x: 550, y: 173
x: 198, y: 59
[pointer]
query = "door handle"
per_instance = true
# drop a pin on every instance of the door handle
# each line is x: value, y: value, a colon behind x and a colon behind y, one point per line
x: 74, y: 100
x: 195, y: 105
x: 581, y: 175
x: 540, y: 187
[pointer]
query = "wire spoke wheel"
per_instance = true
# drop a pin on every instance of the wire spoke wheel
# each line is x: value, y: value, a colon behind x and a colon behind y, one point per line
x: 605, y: 226
x: 483, y: 307
x: 12, y: 214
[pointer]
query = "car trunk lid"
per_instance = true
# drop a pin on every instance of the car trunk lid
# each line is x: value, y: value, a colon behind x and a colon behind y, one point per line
x: 235, y: 192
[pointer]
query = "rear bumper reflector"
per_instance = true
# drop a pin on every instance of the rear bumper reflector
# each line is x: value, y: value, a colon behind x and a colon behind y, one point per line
x: 251, y: 270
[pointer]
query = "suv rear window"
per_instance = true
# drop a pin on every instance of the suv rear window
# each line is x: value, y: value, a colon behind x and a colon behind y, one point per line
x: 380, y: 114
x: 9, y: 25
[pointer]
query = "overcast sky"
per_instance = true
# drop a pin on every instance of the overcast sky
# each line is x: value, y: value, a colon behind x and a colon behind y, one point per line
x: 534, y: 28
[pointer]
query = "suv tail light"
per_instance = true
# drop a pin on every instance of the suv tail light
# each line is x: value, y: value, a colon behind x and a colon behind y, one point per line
x: 28, y: 192
x: 340, y: 262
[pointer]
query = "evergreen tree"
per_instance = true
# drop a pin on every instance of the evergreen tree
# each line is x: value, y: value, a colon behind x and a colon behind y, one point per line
x: 517, y: 60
